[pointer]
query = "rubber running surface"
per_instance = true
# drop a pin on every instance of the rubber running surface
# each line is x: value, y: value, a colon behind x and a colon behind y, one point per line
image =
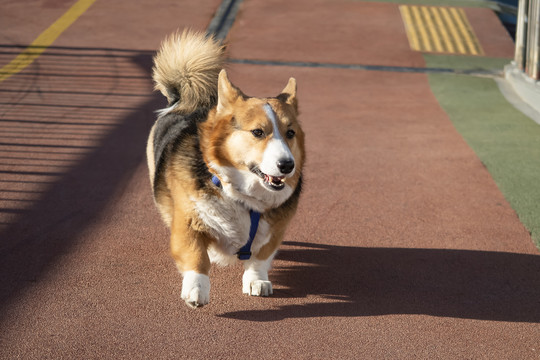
x: 403, y: 246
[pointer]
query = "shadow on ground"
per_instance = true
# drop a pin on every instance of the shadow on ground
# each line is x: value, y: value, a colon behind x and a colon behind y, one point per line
x: 353, y: 281
x: 71, y: 204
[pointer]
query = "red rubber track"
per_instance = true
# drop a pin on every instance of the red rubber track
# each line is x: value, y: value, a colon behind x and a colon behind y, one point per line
x: 403, y: 247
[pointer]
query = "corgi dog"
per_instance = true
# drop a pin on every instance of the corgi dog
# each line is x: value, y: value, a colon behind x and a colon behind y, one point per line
x: 225, y: 168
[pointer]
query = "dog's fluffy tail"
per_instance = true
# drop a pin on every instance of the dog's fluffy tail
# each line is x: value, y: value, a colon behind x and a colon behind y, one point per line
x: 186, y: 70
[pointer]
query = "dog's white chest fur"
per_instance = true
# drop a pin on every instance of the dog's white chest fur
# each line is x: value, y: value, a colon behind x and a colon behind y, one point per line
x: 230, y: 223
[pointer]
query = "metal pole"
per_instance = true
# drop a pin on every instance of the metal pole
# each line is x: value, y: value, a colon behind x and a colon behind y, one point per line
x: 530, y: 37
x: 535, y: 43
x: 521, y: 34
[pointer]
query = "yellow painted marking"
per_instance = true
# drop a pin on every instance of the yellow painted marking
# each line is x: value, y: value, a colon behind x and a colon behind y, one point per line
x: 421, y: 29
x: 432, y: 31
x: 409, y: 24
x: 447, y: 41
x: 455, y: 34
x: 439, y: 29
x: 464, y: 28
x: 44, y: 40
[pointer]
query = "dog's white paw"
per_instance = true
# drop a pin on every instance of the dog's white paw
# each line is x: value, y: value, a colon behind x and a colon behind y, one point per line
x: 255, y: 279
x: 258, y: 288
x: 196, y: 289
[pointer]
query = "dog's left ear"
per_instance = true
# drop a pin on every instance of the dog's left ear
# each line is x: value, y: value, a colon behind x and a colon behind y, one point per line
x: 227, y: 93
x: 288, y: 95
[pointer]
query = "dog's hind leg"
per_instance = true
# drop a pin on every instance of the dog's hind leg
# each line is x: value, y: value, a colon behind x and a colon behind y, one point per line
x: 189, y: 250
x: 255, y: 279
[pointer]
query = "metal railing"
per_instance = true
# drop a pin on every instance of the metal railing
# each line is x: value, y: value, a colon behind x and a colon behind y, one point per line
x: 528, y: 38
x: 523, y: 73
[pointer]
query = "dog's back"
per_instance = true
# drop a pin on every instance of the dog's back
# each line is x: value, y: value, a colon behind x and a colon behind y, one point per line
x: 185, y: 70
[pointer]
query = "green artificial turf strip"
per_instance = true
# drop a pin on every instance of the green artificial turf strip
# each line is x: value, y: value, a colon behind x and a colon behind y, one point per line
x: 506, y: 141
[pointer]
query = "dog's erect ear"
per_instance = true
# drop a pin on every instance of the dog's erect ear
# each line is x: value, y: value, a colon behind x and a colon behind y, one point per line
x: 288, y: 95
x: 227, y: 93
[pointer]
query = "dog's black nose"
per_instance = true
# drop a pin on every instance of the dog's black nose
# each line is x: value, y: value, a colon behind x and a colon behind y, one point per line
x: 285, y: 166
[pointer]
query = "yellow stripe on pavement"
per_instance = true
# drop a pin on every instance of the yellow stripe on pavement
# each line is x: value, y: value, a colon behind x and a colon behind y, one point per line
x: 44, y: 40
x: 450, y: 24
x: 419, y: 26
x: 439, y: 30
x: 407, y: 20
x: 465, y: 30
x: 446, y: 38
x: 432, y: 29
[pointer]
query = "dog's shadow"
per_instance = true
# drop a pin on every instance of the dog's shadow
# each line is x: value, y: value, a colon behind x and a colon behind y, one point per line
x: 354, y: 281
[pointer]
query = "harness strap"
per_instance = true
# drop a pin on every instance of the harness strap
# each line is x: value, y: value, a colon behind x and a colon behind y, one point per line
x: 245, y: 252
x: 216, y: 181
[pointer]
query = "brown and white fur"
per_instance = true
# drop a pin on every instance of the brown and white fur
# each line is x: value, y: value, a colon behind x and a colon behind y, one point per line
x: 255, y: 146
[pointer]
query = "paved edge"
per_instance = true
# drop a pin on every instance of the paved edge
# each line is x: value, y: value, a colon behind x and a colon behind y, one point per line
x: 510, y: 94
x: 523, y: 86
x: 223, y: 20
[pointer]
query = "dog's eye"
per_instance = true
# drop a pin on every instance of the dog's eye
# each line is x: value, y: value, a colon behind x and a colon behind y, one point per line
x: 290, y: 134
x: 258, y: 133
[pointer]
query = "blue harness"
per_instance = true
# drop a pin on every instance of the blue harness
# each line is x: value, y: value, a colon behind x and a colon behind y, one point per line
x: 245, y: 252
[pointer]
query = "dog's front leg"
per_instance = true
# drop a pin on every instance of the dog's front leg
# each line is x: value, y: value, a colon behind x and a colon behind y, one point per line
x: 255, y: 279
x: 189, y: 250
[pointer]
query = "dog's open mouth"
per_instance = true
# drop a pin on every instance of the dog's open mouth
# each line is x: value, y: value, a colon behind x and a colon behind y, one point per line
x: 273, y: 182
